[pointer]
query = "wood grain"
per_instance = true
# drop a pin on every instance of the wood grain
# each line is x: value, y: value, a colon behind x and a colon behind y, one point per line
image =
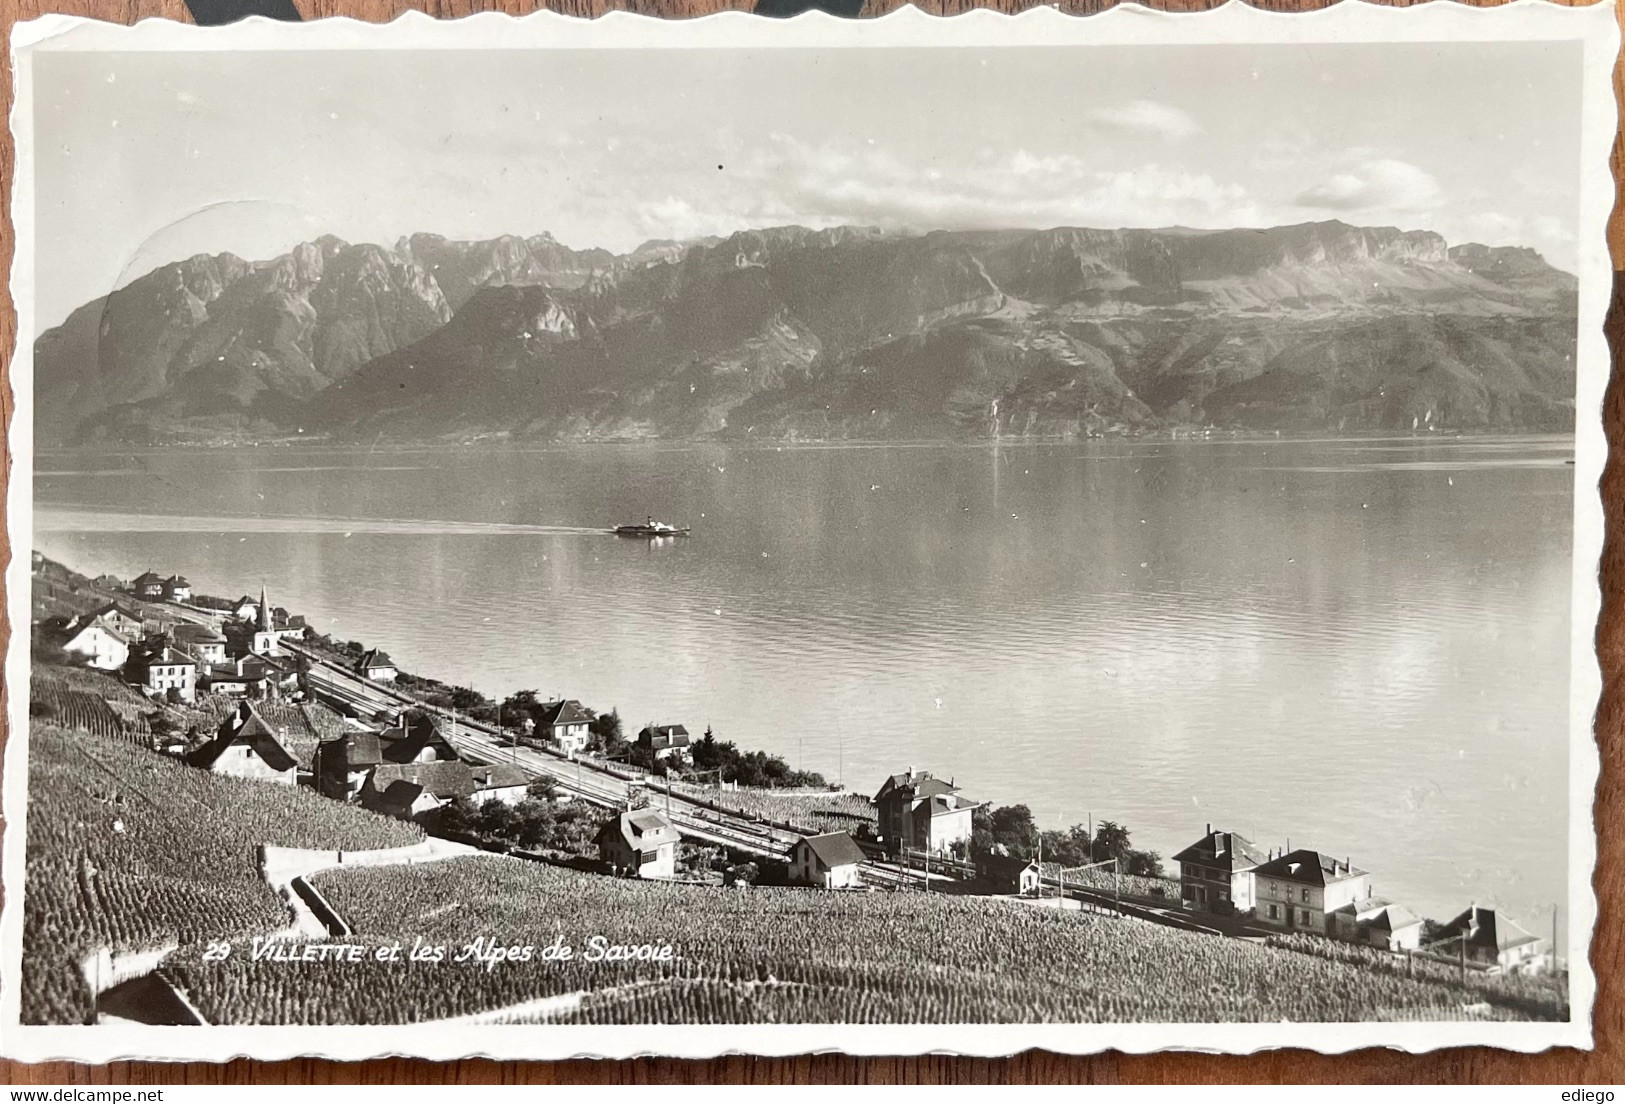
x: 1606, y: 1064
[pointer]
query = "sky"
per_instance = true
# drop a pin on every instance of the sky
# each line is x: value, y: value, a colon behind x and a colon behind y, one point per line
x: 147, y: 158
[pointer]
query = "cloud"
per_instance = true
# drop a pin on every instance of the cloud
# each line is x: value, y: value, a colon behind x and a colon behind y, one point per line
x: 1377, y: 184
x: 830, y: 184
x: 1145, y: 117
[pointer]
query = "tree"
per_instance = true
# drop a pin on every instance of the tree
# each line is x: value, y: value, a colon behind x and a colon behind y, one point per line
x: 1013, y: 827
x: 458, y: 816
x: 532, y: 823
x: 473, y: 704
x: 604, y: 735
x: 748, y: 768
x: 543, y: 788
x: 1147, y: 864
x: 519, y: 707
x: 1111, y: 842
x: 496, y: 819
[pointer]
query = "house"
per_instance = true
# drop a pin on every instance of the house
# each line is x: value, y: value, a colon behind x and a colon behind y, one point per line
x: 246, y: 747
x: 1379, y: 922
x: 1030, y: 879
x: 1300, y: 890
x: 377, y: 666
x: 415, y: 738
x: 919, y: 812
x: 245, y: 609
x: 341, y: 766
x: 159, y: 670
x: 666, y: 742
x: 1492, y: 941
x: 177, y: 589
x: 243, y: 677
x: 1216, y: 873
x: 641, y: 843
x: 101, y: 645
x: 829, y: 861
x: 108, y: 582
x: 410, y: 790
x: 148, y: 586
x: 201, y: 642
x: 500, y: 782
x: 563, y: 722
x: 281, y: 673
x: 123, y: 619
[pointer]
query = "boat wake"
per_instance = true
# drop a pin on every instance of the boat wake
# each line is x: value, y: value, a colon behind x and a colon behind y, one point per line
x: 75, y: 519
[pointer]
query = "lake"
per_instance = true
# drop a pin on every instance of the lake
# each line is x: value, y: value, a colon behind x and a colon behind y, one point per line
x: 1360, y: 646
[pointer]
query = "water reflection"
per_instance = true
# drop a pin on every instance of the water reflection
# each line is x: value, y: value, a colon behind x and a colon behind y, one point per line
x: 1360, y: 645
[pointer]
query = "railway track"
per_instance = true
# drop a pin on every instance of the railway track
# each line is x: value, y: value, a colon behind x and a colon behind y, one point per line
x: 481, y: 743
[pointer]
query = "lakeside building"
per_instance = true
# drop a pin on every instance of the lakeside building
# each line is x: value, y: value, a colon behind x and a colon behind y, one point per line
x: 1379, y: 922
x: 246, y: 747
x: 148, y: 586
x: 340, y: 767
x: 1492, y: 941
x: 177, y: 589
x: 415, y: 738
x: 922, y: 813
x: 159, y: 670
x: 412, y: 790
x: 243, y: 677
x: 122, y: 618
x: 1216, y: 873
x: 665, y: 742
x: 98, y: 643
x: 1298, y: 891
x: 377, y: 666
x: 564, y: 722
x: 828, y: 861
x: 201, y: 642
x: 641, y: 843
x: 500, y: 782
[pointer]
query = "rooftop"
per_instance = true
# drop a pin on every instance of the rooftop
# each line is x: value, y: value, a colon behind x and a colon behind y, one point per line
x: 564, y: 712
x: 1226, y: 850
x: 641, y: 830
x: 246, y: 727
x: 834, y: 849
x: 1309, y: 868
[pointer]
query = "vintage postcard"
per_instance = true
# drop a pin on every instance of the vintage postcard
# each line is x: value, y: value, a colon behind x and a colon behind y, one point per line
x: 551, y: 537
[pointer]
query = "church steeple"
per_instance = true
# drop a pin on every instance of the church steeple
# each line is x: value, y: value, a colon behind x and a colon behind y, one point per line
x: 265, y: 611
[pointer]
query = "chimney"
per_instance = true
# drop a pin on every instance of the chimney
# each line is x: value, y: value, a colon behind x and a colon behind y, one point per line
x: 1210, y: 827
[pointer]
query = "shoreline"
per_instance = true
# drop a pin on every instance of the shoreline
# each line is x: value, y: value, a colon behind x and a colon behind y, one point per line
x: 317, y: 446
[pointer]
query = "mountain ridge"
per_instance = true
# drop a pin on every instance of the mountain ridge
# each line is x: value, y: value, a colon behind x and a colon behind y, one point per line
x: 793, y: 333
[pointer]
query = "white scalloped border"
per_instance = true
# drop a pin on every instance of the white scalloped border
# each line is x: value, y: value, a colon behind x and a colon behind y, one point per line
x: 1126, y: 24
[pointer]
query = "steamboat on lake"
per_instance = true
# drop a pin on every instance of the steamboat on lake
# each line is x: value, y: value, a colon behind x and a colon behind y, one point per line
x: 651, y: 528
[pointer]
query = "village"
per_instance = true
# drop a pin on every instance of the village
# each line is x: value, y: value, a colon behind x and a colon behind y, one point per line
x: 247, y: 689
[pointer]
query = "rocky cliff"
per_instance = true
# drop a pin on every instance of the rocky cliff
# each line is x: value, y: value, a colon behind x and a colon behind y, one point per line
x: 850, y: 332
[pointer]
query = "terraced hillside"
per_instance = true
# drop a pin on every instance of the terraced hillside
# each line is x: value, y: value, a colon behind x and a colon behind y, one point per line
x: 784, y: 955
x: 129, y: 850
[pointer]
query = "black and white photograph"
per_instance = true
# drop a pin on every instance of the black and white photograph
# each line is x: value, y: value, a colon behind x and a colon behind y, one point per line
x: 553, y: 537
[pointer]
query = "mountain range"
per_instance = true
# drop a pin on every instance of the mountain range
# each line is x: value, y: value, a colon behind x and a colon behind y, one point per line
x: 852, y: 332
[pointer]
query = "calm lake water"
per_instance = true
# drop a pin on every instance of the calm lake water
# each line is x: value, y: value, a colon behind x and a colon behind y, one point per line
x: 1360, y: 646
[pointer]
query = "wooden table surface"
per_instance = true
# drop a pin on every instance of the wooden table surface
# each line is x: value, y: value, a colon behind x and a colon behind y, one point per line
x: 1604, y: 1065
